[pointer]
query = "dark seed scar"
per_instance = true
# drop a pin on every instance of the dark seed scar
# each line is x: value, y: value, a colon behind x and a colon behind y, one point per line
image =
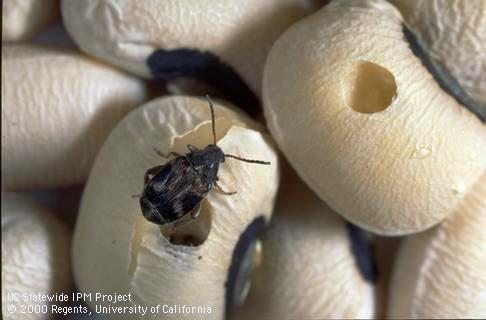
x: 362, y: 250
x: 167, y: 65
x: 173, y: 192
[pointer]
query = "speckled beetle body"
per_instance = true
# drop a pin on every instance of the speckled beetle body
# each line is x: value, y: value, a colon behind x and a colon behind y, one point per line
x: 173, y: 190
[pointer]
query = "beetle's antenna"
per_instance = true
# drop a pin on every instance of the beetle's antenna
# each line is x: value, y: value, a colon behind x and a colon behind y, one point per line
x: 212, y: 118
x: 247, y: 160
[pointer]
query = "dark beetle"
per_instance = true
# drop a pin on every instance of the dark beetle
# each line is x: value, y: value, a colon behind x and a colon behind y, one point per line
x: 175, y: 189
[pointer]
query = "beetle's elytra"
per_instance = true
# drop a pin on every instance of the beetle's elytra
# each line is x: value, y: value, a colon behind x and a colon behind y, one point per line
x: 176, y: 189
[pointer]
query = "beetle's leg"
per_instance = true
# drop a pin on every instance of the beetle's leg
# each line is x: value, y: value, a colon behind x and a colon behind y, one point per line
x: 175, y: 154
x: 191, y: 147
x: 194, y: 213
x: 137, y: 195
x: 177, y: 224
x: 222, y: 191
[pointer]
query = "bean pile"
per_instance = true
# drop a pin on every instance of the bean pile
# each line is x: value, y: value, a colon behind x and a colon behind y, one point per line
x: 370, y: 112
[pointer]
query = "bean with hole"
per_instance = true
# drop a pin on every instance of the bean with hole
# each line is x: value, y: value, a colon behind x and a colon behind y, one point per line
x: 176, y: 189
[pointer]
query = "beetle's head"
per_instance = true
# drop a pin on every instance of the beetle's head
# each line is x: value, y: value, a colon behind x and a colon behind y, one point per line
x: 215, y: 153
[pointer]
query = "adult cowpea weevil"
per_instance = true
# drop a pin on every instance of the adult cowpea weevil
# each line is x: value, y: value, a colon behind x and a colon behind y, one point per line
x: 176, y: 189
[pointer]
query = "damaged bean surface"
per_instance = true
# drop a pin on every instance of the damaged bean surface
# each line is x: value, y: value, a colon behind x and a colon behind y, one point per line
x: 364, y: 123
x: 116, y: 249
